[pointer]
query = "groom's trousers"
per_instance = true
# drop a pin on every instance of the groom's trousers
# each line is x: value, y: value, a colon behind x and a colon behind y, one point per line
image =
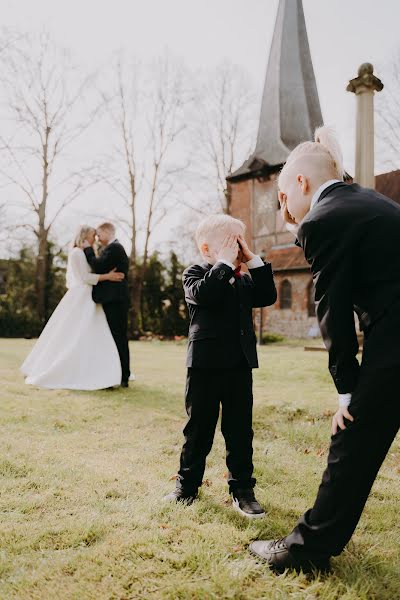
x: 117, y: 318
x: 355, y: 457
x: 206, y: 390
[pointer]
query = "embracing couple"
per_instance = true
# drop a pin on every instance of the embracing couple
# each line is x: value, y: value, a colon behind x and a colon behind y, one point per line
x: 84, y: 345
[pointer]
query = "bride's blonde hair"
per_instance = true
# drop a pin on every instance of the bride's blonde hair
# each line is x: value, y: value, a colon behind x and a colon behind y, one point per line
x: 81, y: 235
x: 322, y: 158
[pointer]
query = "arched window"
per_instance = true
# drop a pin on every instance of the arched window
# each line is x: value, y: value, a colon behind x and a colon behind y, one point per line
x: 311, y: 299
x: 285, y: 294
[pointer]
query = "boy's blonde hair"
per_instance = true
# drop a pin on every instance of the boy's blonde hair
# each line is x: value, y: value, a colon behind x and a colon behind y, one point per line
x: 216, y: 224
x: 323, y: 158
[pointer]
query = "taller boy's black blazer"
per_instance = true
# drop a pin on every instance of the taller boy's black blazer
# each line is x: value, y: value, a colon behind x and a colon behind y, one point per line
x: 351, y: 239
x: 113, y: 256
x: 221, y: 332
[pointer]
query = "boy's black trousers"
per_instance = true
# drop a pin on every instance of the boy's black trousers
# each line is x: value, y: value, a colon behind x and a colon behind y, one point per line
x: 206, y: 390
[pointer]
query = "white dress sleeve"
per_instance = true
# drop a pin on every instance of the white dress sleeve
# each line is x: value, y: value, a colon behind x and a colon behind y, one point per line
x: 80, y: 268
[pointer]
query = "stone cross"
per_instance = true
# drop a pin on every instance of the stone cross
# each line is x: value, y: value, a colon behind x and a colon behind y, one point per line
x: 364, y: 87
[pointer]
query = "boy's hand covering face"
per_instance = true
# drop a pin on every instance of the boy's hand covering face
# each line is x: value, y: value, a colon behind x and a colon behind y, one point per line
x: 246, y: 252
x: 229, y: 249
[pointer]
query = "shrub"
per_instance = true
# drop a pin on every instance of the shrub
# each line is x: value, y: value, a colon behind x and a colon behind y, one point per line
x: 272, y: 338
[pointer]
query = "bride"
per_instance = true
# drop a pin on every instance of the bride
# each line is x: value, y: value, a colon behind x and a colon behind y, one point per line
x: 76, y: 349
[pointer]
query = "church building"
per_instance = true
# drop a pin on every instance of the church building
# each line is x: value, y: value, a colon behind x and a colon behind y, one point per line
x: 290, y: 113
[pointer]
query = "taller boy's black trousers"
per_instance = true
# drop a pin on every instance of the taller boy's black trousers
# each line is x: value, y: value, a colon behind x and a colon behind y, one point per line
x: 206, y: 389
x: 355, y: 457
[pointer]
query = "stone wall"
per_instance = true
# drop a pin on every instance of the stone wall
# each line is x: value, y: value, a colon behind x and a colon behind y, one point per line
x: 241, y: 194
x: 294, y: 321
x: 255, y: 202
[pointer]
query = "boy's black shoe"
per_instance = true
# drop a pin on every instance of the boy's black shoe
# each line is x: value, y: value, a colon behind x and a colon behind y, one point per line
x: 179, y: 495
x: 278, y: 557
x: 244, y: 501
x: 124, y: 384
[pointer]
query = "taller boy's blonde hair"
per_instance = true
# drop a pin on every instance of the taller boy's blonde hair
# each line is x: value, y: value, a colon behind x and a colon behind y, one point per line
x: 321, y: 159
x: 216, y: 224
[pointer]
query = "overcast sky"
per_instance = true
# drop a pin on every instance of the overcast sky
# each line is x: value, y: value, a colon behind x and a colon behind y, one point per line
x: 342, y: 35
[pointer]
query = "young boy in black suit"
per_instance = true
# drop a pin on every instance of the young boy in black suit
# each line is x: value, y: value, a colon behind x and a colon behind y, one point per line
x: 220, y: 358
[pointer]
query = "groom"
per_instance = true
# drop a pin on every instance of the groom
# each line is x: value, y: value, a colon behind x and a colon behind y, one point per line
x: 114, y: 296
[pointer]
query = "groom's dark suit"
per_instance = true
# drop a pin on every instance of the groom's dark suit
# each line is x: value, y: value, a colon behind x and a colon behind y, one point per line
x: 114, y: 296
x: 351, y: 238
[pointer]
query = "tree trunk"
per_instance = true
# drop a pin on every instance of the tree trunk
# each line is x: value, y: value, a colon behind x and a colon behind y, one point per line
x: 42, y: 235
x: 41, y: 275
x: 135, y: 272
x: 135, y: 287
x: 147, y: 238
x: 228, y: 198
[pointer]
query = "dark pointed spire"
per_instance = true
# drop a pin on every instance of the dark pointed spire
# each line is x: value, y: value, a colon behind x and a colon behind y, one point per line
x: 290, y: 109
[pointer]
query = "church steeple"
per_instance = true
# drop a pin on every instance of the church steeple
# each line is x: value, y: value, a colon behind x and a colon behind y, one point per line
x: 290, y: 109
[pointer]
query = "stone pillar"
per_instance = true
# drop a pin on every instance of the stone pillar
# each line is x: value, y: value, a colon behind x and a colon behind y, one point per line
x: 364, y: 87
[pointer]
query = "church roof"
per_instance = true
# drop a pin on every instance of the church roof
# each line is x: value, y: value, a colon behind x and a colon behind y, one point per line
x: 288, y: 258
x: 388, y: 184
x: 290, y: 109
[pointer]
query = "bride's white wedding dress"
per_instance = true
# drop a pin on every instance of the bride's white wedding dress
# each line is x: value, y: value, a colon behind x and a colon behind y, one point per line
x: 76, y: 349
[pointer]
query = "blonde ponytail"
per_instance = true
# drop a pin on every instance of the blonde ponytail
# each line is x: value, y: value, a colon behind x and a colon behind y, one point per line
x: 326, y: 137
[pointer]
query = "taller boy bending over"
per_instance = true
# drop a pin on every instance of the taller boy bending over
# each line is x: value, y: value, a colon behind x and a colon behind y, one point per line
x: 220, y: 358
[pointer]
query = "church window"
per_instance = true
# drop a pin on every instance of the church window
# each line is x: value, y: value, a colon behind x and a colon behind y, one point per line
x: 285, y: 294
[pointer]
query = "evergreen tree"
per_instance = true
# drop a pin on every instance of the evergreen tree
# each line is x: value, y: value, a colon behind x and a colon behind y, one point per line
x: 153, y: 295
x: 175, y: 319
x: 18, y: 306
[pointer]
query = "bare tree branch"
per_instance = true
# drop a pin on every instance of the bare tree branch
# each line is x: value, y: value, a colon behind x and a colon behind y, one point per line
x: 42, y: 102
x: 222, y: 129
x: 388, y: 115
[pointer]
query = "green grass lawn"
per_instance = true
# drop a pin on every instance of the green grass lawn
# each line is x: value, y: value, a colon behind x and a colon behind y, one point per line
x: 82, y: 476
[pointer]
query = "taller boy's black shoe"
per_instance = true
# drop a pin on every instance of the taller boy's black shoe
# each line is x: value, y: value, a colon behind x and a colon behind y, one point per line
x: 179, y: 495
x: 278, y: 557
x: 244, y: 501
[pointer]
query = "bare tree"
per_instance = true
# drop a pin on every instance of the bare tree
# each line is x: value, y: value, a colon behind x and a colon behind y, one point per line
x: 120, y: 168
x: 146, y: 111
x: 8, y: 40
x: 388, y: 116
x: 42, y: 105
x: 222, y: 132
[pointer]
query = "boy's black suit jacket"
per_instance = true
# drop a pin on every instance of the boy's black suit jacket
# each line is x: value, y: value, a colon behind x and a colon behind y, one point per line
x: 113, y: 256
x: 221, y: 333
x: 351, y: 239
